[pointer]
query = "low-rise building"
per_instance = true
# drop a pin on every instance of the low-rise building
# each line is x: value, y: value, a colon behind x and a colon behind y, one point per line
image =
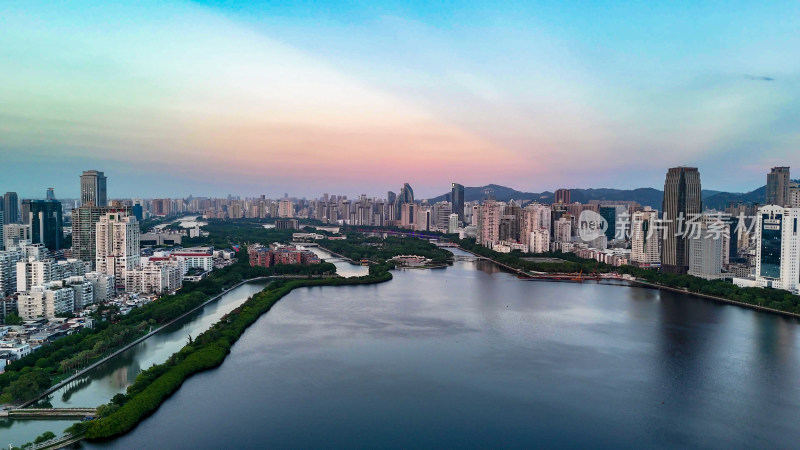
x: 280, y: 254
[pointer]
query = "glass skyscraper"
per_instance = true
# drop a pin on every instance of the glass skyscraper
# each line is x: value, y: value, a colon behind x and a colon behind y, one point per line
x: 457, y: 199
x: 46, y: 224
x: 682, y: 203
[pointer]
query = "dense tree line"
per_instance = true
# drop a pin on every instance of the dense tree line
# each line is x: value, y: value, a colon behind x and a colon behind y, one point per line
x: 224, y: 233
x: 358, y: 247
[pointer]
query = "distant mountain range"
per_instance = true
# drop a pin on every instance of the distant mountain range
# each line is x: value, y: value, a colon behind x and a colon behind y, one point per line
x: 644, y: 196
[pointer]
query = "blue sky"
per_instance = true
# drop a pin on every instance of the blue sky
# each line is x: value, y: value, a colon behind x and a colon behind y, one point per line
x: 175, y: 98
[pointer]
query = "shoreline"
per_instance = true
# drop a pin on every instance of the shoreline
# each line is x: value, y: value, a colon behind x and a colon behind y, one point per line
x: 644, y: 284
x: 128, y: 346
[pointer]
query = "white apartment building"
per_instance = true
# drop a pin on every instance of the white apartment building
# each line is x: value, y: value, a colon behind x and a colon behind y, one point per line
x: 83, y: 290
x: 69, y: 268
x: 118, y: 244
x: 706, y: 249
x: 778, y: 248
x: 539, y: 241
x: 452, y: 223
x: 562, y: 230
x: 794, y: 195
x: 16, y: 233
x: 155, y: 278
x: 8, y: 271
x: 46, y: 301
x: 645, y: 238
x: 103, y: 286
x: 35, y: 251
x: 534, y: 217
x: 32, y: 273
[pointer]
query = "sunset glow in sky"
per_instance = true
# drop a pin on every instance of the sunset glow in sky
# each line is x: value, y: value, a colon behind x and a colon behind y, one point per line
x: 207, y: 98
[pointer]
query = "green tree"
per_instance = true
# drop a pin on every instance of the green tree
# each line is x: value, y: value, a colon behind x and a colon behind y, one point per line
x: 46, y: 436
x: 13, y: 319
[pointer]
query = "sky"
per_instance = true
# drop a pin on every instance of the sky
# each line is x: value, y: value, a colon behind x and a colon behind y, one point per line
x: 172, y: 98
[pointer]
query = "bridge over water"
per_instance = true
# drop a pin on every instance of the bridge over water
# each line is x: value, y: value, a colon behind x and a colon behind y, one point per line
x: 468, y: 258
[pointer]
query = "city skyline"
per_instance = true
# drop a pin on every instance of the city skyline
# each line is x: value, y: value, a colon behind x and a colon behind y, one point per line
x: 386, y: 224
x: 535, y: 96
x: 377, y: 191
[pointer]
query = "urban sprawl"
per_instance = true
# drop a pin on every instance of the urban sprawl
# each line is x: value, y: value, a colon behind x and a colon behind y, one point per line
x: 61, y: 259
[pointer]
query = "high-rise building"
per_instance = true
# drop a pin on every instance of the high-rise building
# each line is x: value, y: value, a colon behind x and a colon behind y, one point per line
x: 285, y: 208
x: 25, y: 211
x: 457, y: 200
x: 406, y: 195
x: 534, y: 216
x: 682, y: 204
x: 778, y: 183
x: 489, y: 218
x: 34, y: 272
x: 562, y: 196
x: 609, y: 213
x: 441, y: 214
x: 562, y: 230
x: 2, y: 232
x: 46, y: 224
x: 138, y: 212
x: 46, y: 301
x: 707, y: 248
x: 8, y: 270
x: 118, y: 244
x: 452, y: 223
x: 51, y: 194
x: 11, y: 207
x: 409, y: 216
x: 84, y: 232
x: 778, y: 248
x: 794, y: 195
x: 93, y: 188
x: 539, y: 241
x: 644, y: 238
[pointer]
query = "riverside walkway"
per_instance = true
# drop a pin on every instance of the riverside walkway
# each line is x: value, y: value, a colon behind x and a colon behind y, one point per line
x: 49, y: 413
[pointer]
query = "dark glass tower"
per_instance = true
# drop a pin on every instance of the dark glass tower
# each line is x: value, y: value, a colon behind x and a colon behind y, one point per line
x: 681, y: 203
x: 11, y: 207
x: 610, y: 214
x: 771, y: 245
x: 46, y: 224
x: 457, y: 199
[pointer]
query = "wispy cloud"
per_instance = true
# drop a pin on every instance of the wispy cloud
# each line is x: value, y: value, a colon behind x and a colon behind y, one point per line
x: 759, y: 78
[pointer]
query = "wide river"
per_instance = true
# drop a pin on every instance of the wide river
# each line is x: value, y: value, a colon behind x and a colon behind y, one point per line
x: 470, y: 356
x: 117, y: 374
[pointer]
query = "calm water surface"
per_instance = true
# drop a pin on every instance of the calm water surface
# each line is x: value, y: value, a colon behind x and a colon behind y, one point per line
x: 117, y: 374
x: 472, y: 357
